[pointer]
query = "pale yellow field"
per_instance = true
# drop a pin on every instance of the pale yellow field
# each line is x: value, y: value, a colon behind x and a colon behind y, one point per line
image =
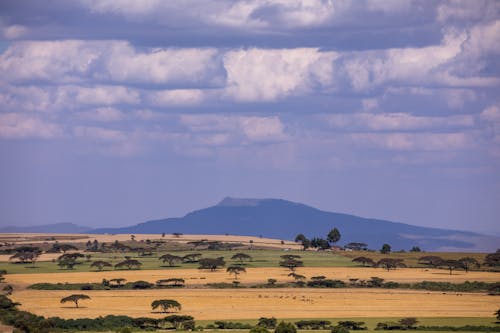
x: 34, y: 238
x: 255, y: 303
x: 256, y: 275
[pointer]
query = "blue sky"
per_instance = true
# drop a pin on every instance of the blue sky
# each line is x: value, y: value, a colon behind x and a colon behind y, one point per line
x: 116, y: 112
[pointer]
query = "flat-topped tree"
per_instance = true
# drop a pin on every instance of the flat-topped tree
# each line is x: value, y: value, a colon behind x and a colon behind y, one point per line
x: 236, y: 270
x: 451, y: 265
x: 468, y: 263
x: 67, y: 247
x: 165, y: 305
x: 191, y: 258
x: 242, y: 257
x: 433, y: 261
x: 390, y: 263
x: 129, y: 264
x: 211, y: 263
x: 74, y: 298
x: 291, y: 264
x: 365, y: 261
x: 172, y: 282
x: 100, y: 264
x: 171, y: 259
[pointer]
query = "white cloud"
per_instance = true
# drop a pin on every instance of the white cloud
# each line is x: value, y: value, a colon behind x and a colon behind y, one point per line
x: 396, y: 122
x: 177, y: 97
x: 267, y: 75
x: 244, y: 129
x: 415, y: 141
x: 19, y: 126
x: 491, y: 113
x: 464, y: 10
x: 74, y: 61
x: 104, y: 114
x: 99, y: 133
x: 14, y: 31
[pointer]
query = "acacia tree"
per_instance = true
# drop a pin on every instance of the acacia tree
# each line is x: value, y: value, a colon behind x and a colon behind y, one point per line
x: 333, y: 236
x: 171, y: 259
x: 467, y: 263
x: 433, y: 261
x: 74, y: 298
x: 99, y: 264
x: 211, y: 263
x: 236, y: 270
x: 129, y: 263
x: 67, y: 247
x: 241, y: 257
x: 291, y: 264
x: 365, y: 261
x: 165, y: 305
x: 390, y: 263
x: 451, y: 264
x: 191, y: 258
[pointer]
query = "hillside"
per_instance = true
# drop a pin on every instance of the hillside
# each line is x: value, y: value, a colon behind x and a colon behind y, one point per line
x: 276, y: 218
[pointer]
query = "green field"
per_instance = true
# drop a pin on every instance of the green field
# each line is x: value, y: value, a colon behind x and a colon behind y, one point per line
x: 261, y: 258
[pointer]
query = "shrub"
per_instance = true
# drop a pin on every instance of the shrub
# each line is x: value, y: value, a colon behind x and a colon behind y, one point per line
x: 267, y: 322
x: 313, y: 324
x: 339, y: 329
x: 285, y: 328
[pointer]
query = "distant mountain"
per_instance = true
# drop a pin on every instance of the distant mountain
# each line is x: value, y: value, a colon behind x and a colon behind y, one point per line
x: 276, y: 218
x: 63, y: 228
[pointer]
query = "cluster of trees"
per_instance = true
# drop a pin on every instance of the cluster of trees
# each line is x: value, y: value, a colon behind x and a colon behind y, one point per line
x: 465, y: 263
x: 319, y: 243
x: 25, y: 255
x: 387, y: 263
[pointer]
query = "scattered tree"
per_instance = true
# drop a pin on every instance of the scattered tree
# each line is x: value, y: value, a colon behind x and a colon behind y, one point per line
x: 74, y: 298
x: 497, y: 314
x: 433, y: 261
x: 451, y: 264
x: 129, y: 263
x: 415, y: 249
x: 172, y: 282
x: 320, y: 243
x: 333, y: 236
x: 100, y: 265
x: 67, y: 247
x: 171, y: 259
x: 493, y: 259
x: 191, y: 258
x: 211, y: 263
x: 468, y: 263
x: 386, y: 248
x: 236, y: 270
x: 242, y: 257
x: 356, y: 246
x: 291, y: 264
x: 390, y: 263
x: 365, y: 261
x: 271, y: 282
x: 165, y: 305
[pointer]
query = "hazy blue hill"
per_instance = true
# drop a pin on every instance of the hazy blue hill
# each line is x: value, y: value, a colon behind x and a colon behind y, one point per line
x: 283, y: 219
x: 63, y: 228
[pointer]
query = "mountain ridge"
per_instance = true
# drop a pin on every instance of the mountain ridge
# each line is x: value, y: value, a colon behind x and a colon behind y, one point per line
x: 282, y: 219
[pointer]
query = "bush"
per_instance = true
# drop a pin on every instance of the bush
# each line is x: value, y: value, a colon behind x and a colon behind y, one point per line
x: 313, y: 324
x: 285, y: 328
x: 326, y: 283
x: 267, y: 322
x: 259, y: 329
x: 224, y: 325
x: 353, y: 325
x: 339, y: 329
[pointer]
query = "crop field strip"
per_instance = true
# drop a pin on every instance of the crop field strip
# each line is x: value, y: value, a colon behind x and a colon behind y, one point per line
x: 231, y: 304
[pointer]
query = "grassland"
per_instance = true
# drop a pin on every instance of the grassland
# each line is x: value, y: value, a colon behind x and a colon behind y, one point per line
x: 248, y: 304
x: 233, y: 304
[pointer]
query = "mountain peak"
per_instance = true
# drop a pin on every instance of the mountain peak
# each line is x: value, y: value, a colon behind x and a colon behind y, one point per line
x: 236, y: 202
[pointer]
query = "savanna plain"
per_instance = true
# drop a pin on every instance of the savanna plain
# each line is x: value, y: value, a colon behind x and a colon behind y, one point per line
x: 228, y: 283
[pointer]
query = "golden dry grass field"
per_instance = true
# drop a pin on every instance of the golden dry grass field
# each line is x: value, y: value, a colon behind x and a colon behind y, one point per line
x: 35, y: 238
x: 255, y: 275
x: 216, y: 304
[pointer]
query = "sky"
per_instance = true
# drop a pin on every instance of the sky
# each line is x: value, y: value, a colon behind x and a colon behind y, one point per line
x: 116, y: 112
